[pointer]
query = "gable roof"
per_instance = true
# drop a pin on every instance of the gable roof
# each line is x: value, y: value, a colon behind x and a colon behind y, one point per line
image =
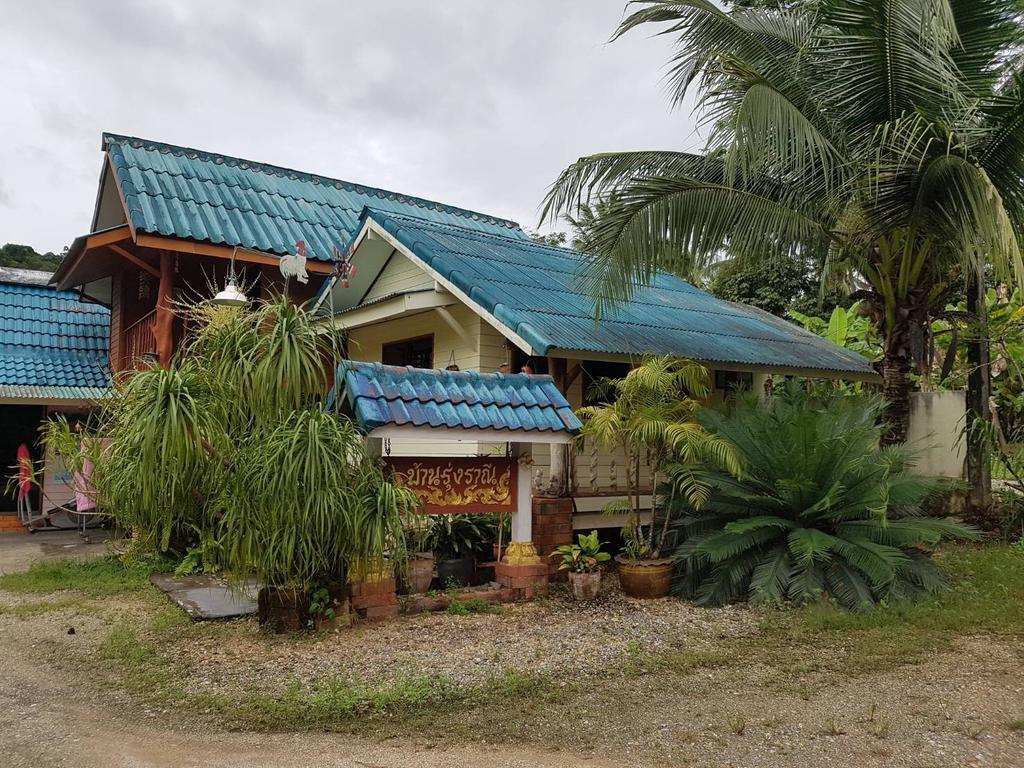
x: 52, y: 345
x: 386, y: 395
x: 196, y: 195
x: 533, y: 290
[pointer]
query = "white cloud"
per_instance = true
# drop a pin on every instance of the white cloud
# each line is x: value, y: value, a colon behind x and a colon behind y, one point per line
x: 474, y: 104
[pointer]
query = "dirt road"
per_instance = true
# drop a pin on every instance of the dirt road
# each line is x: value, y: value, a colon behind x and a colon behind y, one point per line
x: 53, y: 720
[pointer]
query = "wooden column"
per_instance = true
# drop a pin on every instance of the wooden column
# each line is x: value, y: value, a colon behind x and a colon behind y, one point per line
x: 117, y: 322
x: 560, y: 457
x: 164, y: 323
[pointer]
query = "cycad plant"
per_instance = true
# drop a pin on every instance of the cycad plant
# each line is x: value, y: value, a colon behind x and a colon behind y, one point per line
x: 651, y: 415
x: 821, y: 509
x: 881, y: 138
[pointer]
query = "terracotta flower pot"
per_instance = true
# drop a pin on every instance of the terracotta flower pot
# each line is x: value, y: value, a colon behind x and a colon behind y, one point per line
x: 421, y: 573
x: 585, y: 586
x: 282, y: 610
x: 645, y: 578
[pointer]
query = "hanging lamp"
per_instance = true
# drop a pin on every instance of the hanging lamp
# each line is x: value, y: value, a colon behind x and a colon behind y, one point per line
x: 232, y: 295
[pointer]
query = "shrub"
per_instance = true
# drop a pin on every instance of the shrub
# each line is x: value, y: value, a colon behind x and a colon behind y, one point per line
x: 821, y: 509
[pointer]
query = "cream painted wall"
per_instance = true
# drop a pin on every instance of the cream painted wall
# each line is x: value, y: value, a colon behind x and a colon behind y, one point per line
x: 400, y: 275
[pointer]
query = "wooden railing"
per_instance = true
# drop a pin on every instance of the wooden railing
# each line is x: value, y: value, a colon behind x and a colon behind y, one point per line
x: 140, y: 342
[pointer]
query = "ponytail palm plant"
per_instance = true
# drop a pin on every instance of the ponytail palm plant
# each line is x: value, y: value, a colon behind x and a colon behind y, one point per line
x: 883, y: 139
x: 232, y: 439
x: 651, y: 415
x: 821, y: 509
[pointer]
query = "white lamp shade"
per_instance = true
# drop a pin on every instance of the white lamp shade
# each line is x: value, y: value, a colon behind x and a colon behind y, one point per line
x: 231, y: 296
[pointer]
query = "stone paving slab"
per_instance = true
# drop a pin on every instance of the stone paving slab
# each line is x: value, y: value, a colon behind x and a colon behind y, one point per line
x: 205, y: 597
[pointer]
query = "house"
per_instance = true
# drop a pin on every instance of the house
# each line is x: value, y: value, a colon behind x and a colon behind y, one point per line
x: 410, y: 282
x: 53, y: 360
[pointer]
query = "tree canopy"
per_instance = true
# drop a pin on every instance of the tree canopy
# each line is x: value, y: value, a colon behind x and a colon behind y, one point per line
x: 26, y: 257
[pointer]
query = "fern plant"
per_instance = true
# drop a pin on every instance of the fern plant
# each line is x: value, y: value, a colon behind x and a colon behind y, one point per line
x: 820, y: 511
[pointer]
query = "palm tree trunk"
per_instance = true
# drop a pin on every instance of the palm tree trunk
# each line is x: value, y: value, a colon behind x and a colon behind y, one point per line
x: 896, y: 385
x: 979, y: 387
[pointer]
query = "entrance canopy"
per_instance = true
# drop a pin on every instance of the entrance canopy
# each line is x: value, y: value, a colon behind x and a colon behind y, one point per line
x: 393, y: 402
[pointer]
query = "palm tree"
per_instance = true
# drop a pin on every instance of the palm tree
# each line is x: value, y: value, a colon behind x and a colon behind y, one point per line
x: 651, y: 415
x: 887, y: 136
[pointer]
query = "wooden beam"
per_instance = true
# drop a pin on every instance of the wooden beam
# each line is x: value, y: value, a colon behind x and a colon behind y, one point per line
x: 135, y: 260
x: 561, y: 474
x: 164, y: 326
x: 106, y: 238
x: 461, y: 332
x: 224, y: 252
x: 570, y: 378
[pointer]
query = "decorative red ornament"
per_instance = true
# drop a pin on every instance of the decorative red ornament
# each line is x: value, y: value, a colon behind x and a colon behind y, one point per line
x: 346, y: 271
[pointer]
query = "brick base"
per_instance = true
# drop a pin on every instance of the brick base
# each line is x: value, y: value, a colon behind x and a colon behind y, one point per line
x: 525, y: 582
x: 11, y: 524
x: 552, y: 527
x: 374, y: 600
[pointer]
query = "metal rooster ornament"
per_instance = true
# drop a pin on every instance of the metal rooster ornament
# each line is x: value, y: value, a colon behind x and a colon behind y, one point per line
x: 294, y: 264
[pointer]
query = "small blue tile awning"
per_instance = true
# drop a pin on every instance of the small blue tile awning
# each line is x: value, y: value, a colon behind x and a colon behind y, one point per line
x: 514, y: 405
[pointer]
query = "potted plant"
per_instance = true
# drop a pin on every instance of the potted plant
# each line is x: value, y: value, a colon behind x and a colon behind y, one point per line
x: 454, y: 540
x: 651, y: 415
x: 583, y: 561
x: 416, y: 528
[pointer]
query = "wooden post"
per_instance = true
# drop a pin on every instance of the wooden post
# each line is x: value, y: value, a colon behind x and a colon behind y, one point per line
x: 164, y: 324
x: 560, y: 458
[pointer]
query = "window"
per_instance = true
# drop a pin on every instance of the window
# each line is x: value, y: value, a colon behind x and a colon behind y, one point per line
x: 598, y: 373
x: 419, y: 353
x: 730, y: 381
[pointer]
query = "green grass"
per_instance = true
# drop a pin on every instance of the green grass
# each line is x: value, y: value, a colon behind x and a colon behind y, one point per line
x: 99, y: 577
x: 473, y: 605
x: 336, y: 703
x: 985, y: 596
x: 41, y: 607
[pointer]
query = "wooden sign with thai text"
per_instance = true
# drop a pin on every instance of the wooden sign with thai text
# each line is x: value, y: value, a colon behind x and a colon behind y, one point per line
x: 469, y: 484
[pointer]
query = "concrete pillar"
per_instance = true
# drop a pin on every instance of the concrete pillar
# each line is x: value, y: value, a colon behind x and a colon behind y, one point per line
x: 521, y: 571
x: 522, y: 519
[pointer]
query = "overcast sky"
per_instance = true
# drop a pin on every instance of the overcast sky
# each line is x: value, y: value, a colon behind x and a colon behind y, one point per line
x: 476, y: 103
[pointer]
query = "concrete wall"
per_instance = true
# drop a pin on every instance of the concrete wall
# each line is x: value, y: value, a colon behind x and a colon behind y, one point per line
x: 936, y: 427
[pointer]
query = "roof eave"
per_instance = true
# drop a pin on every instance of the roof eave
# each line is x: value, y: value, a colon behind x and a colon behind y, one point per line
x: 865, y: 375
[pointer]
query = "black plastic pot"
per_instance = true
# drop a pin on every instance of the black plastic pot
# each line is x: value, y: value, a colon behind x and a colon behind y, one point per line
x: 460, y: 571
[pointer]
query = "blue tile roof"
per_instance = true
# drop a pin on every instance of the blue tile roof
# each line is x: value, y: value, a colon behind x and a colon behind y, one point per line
x: 381, y: 395
x: 196, y: 195
x: 534, y: 290
x: 52, y: 346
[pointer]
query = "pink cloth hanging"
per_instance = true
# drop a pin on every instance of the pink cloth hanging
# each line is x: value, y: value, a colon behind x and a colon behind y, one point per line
x: 24, y: 471
x: 85, y: 493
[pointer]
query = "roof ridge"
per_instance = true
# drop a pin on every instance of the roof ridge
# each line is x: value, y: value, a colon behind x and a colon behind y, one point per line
x: 280, y: 170
x: 474, y: 232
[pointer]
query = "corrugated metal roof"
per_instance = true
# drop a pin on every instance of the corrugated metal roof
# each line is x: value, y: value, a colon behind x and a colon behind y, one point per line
x: 196, y: 195
x: 24, y: 276
x: 382, y: 395
x: 534, y: 290
x: 49, y: 339
x: 79, y: 394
